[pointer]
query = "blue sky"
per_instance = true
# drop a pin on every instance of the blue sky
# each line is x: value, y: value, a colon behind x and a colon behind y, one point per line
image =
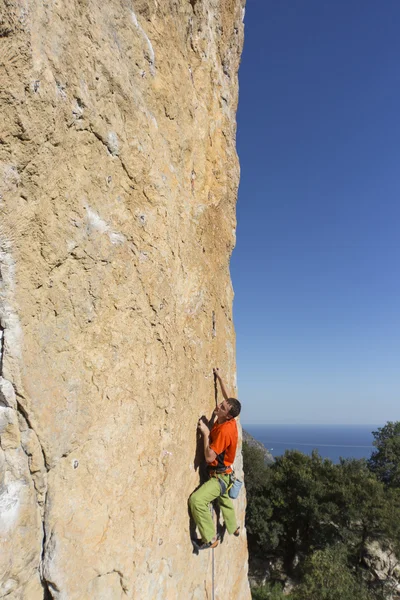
x: 316, y: 269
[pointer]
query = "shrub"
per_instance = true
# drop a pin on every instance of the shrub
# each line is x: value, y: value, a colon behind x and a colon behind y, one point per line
x: 268, y: 592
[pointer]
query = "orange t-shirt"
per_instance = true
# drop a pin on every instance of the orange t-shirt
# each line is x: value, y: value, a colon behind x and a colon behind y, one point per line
x: 223, y: 440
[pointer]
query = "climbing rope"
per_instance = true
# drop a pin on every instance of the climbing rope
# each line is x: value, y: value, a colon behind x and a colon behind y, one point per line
x: 213, y: 511
x: 213, y: 574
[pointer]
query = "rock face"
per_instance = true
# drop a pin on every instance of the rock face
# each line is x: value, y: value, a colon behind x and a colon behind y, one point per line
x: 383, y: 566
x: 118, y: 181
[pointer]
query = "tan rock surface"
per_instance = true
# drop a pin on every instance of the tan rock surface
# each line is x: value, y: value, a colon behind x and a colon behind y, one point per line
x: 384, y: 566
x: 118, y: 182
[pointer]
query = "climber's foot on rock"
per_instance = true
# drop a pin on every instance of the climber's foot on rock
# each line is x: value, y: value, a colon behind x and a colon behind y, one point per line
x: 200, y: 545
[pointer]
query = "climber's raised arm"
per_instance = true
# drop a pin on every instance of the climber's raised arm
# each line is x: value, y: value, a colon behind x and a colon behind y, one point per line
x: 221, y: 383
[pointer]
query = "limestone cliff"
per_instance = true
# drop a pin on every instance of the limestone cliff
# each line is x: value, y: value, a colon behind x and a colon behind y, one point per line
x: 118, y: 181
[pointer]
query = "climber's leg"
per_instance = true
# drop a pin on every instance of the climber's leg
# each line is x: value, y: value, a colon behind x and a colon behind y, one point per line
x: 199, y: 506
x: 228, y: 512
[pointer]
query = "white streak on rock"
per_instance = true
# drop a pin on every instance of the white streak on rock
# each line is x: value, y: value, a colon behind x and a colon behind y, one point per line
x: 153, y: 119
x: 116, y: 238
x: 112, y: 143
x: 96, y: 223
x: 134, y: 19
x: 60, y: 90
x: 7, y: 394
x: 8, y: 316
x: 196, y: 303
x: 9, y: 504
x: 11, y: 177
x: 71, y: 245
x: 149, y: 46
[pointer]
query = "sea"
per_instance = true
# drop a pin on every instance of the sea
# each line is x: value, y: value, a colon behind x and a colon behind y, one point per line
x: 331, y: 441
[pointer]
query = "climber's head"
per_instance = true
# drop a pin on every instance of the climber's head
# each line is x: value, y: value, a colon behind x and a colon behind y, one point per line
x: 227, y: 410
x: 235, y: 407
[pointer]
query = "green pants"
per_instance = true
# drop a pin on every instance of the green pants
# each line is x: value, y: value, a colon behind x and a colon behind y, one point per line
x: 199, y: 506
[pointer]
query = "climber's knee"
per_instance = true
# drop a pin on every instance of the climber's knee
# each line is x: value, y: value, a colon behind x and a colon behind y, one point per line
x: 192, y: 501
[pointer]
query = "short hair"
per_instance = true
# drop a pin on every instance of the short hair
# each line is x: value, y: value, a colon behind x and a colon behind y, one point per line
x: 235, y: 407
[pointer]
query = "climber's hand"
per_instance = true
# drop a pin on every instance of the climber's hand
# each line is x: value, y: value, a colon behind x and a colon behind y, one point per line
x: 217, y: 375
x: 202, y: 426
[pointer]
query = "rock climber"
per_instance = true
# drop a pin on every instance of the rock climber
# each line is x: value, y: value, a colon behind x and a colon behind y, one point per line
x: 220, y: 437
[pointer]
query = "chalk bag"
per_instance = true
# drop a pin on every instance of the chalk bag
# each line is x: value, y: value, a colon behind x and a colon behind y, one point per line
x: 235, y: 489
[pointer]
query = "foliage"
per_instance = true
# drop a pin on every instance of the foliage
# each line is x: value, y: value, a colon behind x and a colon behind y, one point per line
x: 301, y: 497
x: 315, y: 518
x: 268, y: 592
x: 327, y: 577
x: 363, y: 505
x: 385, y: 460
x: 263, y: 532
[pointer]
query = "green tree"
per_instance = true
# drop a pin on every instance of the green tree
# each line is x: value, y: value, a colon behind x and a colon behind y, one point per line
x: 303, y: 504
x: 363, y: 507
x: 301, y: 497
x: 327, y: 577
x: 385, y: 460
x: 263, y: 531
x: 256, y: 471
x: 268, y: 592
x: 391, y: 519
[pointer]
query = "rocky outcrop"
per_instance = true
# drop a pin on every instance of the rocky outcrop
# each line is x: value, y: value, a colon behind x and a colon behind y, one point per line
x: 118, y: 181
x: 251, y: 441
x: 383, y: 568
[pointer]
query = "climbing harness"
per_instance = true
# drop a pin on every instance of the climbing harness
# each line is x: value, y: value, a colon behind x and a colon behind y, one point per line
x: 233, y: 487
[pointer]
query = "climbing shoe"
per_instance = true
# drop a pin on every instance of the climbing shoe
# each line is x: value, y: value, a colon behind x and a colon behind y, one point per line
x: 237, y: 532
x: 200, y: 545
x: 207, y: 545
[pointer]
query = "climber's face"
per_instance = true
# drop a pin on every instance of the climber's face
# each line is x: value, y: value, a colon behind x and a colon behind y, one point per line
x: 222, y: 412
